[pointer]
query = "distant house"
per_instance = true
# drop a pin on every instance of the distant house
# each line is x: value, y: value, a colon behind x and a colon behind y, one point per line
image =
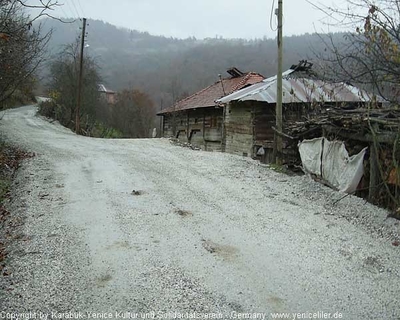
x: 250, y: 112
x: 198, y: 119
x: 106, y: 94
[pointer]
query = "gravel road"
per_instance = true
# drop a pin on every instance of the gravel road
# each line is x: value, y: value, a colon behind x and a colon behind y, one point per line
x: 210, y: 233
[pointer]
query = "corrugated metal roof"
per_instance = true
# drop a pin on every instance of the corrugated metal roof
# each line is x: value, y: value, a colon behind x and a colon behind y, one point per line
x: 300, y: 89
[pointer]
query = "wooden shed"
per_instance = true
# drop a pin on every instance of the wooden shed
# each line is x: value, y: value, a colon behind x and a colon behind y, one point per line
x: 249, y: 120
x: 198, y: 119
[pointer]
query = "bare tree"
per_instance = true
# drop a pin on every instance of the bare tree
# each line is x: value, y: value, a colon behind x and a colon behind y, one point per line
x: 22, y: 46
x: 63, y: 86
x: 134, y: 113
x: 369, y: 55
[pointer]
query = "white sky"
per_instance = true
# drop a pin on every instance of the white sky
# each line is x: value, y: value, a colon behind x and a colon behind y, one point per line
x: 200, y: 18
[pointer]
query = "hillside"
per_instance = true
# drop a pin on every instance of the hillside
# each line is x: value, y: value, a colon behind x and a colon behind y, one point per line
x: 169, y: 67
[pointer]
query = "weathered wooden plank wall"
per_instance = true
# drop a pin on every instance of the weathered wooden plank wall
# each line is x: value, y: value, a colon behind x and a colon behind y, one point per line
x: 179, y: 121
x: 201, y: 127
x: 246, y: 129
x: 238, y: 129
x: 264, y: 120
x: 213, y: 118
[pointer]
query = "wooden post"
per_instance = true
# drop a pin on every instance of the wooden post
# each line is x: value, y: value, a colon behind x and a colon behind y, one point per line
x: 223, y: 132
x: 187, y: 126
x: 204, y: 129
x: 78, y: 105
x: 374, y: 176
x: 162, y: 119
x: 279, y: 125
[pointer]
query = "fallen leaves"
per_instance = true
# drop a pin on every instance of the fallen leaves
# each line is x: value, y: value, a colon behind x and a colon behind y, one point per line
x: 10, y: 161
x: 11, y: 157
x: 4, y: 36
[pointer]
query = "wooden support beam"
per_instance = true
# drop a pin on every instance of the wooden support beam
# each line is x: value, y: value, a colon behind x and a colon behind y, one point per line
x: 283, y: 134
x: 187, y: 125
x: 374, y: 176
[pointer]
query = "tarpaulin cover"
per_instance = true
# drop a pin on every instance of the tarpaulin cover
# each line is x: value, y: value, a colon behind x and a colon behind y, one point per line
x: 330, y: 161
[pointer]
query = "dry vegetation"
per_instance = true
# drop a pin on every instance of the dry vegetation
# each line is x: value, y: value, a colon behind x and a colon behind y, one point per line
x: 10, y: 160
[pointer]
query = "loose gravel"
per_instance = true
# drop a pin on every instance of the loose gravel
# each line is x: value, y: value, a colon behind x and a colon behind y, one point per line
x: 144, y: 226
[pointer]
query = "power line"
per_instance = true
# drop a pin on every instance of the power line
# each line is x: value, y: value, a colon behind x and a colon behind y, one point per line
x: 80, y: 7
x: 76, y: 10
x: 271, y: 17
x: 67, y: 6
x: 62, y: 9
x: 73, y: 9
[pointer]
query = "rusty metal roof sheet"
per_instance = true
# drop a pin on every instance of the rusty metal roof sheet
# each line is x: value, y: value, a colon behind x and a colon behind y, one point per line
x: 300, y: 89
x: 206, y: 98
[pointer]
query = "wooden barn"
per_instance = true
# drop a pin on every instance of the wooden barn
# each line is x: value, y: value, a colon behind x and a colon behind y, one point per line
x: 249, y: 120
x: 198, y: 119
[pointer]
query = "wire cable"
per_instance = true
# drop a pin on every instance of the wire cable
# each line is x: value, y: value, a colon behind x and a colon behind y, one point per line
x: 76, y: 10
x: 80, y: 7
x: 270, y: 18
x: 72, y: 16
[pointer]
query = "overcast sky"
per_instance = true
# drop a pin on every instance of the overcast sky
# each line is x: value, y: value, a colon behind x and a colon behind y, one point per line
x: 200, y: 18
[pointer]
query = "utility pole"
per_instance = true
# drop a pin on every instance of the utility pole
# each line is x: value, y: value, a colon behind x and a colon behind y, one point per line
x: 78, y: 104
x: 162, y: 118
x: 279, y: 122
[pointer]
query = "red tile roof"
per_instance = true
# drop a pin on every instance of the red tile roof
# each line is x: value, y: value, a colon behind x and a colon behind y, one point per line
x: 206, y: 98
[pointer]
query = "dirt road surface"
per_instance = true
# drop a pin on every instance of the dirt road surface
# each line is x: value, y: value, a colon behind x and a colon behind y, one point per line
x: 145, y: 226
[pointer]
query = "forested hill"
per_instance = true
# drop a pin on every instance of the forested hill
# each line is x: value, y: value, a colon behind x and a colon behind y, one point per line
x: 169, y: 67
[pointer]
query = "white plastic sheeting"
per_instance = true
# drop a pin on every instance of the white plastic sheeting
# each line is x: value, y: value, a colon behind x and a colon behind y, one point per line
x: 330, y: 161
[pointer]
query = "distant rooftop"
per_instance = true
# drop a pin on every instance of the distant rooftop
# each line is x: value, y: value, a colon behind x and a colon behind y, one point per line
x: 102, y: 88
